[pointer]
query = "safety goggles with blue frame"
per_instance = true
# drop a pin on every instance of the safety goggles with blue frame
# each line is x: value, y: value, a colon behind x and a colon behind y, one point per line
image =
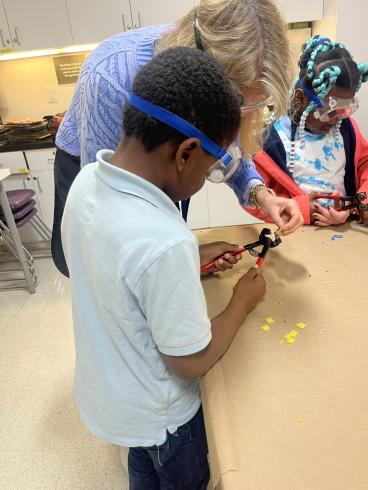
x: 228, y: 159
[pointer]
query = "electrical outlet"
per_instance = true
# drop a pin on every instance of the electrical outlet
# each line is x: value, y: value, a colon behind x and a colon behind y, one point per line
x: 51, y: 97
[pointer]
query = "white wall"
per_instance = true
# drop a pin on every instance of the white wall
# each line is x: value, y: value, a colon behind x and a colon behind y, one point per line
x: 25, y: 87
x: 351, y: 29
x: 346, y: 21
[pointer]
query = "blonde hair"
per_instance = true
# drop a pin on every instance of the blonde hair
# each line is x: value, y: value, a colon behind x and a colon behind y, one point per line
x: 249, y: 39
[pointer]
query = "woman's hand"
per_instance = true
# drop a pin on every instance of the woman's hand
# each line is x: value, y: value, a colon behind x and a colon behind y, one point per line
x: 214, y: 250
x: 284, y: 212
x: 328, y: 216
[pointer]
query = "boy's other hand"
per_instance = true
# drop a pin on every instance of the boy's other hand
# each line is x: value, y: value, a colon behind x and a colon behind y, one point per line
x: 328, y: 216
x: 251, y: 288
x: 220, y: 250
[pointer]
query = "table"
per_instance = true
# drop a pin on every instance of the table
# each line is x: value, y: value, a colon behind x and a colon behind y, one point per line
x: 18, y: 246
x: 283, y: 416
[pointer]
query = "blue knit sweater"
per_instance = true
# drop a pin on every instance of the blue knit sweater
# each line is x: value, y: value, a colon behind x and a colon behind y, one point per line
x: 95, y: 116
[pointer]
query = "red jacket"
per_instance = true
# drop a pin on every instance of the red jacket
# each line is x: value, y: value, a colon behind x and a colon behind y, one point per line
x: 271, y: 164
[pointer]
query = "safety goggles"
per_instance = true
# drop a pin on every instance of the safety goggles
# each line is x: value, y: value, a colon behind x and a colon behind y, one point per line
x: 228, y: 159
x: 336, y: 107
x: 251, y: 105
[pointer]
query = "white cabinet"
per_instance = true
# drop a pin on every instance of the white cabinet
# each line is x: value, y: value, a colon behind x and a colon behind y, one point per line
x: 38, y: 24
x: 41, y: 167
x: 198, y: 214
x: 148, y: 13
x: 5, y: 37
x: 41, y: 159
x: 224, y: 208
x: 216, y: 205
x: 14, y: 161
x: 296, y: 11
x: 43, y: 182
x: 93, y: 21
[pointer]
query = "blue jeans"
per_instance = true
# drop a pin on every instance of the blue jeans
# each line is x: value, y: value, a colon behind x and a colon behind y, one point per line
x: 179, y: 464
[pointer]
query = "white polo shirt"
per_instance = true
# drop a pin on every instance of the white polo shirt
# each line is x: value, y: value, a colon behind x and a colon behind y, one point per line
x: 136, y: 291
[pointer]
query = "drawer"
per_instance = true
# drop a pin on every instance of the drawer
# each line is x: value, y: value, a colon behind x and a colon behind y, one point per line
x: 13, y: 160
x: 41, y: 159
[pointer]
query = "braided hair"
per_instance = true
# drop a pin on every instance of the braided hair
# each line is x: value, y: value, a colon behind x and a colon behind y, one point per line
x: 324, y: 64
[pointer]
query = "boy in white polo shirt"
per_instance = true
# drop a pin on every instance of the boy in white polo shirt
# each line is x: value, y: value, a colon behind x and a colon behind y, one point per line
x: 142, y: 333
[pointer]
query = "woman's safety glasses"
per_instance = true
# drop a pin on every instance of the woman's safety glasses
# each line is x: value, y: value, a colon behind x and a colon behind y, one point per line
x: 228, y: 159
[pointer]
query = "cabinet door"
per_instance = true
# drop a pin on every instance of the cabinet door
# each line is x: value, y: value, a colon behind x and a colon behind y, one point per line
x: 41, y: 159
x: 38, y: 24
x: 14, y: 161
x: 198, y: 216
x: 5, y: 37
x: 301, y: 11
x: 146, y: 13
x: 224, y: 208
x: 94, y: 20
x: 43, y: 183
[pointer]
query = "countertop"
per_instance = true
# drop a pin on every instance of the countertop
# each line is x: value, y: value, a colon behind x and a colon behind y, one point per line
x: 34, y: 145
x: 293, y: 416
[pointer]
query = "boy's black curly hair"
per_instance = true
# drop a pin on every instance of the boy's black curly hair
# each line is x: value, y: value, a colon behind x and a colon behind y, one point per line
x: 190, y: 84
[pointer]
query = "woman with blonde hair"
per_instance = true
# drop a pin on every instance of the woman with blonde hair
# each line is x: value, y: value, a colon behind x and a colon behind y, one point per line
x: 248, y: 37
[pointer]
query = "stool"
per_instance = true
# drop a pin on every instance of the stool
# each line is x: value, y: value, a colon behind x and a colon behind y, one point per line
x: 23, y: 209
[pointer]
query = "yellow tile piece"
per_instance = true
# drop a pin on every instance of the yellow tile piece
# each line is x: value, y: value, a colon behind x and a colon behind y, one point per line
x: 301, y: 420
x: 269, y: 319
x: 301, y: 325
x: 290, y: 340
x: 266, y: 328
x: 290, y: 335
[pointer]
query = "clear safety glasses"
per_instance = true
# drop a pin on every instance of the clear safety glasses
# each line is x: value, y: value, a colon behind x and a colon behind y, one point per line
x: 228, y: 159
x: 336, y: 107
x: 224, y: 168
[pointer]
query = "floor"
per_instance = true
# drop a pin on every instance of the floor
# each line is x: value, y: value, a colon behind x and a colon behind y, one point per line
x: 43, y: 444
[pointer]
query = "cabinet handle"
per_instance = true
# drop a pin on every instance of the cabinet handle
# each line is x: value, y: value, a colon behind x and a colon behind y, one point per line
x: 2, y: 38
x: 16, y: 38
x: 136, y: 26
x: 37, y: 179
x: 126, y: 27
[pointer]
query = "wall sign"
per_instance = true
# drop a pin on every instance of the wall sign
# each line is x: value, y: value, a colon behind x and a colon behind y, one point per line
x: 68, y: 67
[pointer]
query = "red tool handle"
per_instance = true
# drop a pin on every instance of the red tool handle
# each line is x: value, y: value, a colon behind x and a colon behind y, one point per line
x: 335, y: 197
x: 211, y: 267
x: 259, y: 263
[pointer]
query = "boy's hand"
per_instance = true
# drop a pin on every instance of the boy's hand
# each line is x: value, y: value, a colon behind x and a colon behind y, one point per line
x: 328, y: 216
x: 211, y: 251
x: 250, y: 289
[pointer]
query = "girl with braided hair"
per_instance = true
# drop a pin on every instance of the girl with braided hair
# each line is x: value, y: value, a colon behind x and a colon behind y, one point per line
x: 318, y: 147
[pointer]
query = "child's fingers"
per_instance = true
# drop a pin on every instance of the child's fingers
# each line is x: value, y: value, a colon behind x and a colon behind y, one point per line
x: 322, y: 218
x: 321, y: 223
x: 231, y: 259
x: 221, y: 265
x: 322, y: 211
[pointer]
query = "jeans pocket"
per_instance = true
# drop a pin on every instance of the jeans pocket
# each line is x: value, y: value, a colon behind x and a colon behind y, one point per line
x: 184, y: 433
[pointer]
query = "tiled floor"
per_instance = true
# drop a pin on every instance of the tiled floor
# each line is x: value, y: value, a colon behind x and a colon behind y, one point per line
x: 43, y: 444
